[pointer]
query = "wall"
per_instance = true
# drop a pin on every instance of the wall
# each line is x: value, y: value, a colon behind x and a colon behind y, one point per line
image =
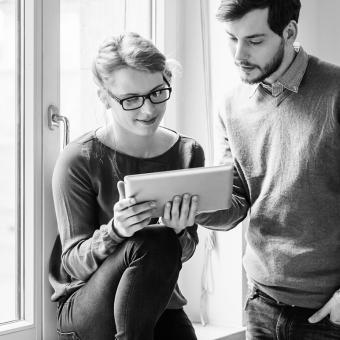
x: 319, y: 29
x: 224, y: 304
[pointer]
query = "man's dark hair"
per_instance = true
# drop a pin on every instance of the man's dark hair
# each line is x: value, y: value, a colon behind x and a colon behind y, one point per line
x: 280, y: 12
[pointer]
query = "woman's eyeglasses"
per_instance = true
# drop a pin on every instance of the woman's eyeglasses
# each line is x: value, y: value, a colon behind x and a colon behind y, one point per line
x: 135, y: 102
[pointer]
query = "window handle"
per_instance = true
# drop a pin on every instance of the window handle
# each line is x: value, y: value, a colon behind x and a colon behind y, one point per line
x: 54, y: 120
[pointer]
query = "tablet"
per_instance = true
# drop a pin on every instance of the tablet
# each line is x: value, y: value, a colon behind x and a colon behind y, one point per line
x: 213, y: 185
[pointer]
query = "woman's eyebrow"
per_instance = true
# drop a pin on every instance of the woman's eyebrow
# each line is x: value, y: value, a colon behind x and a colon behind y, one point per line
x: 139, y: 94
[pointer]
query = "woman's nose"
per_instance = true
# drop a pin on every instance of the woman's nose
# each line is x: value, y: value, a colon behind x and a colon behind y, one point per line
x: 148, y: 107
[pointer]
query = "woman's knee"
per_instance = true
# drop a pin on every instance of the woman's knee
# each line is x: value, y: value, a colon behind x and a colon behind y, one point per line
x: 161, y: 244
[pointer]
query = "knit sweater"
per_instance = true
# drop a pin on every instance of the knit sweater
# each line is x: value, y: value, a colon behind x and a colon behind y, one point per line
x: 286, y: 150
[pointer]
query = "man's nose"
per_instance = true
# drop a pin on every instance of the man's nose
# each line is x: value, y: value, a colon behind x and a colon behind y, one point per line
x: 241, y: 52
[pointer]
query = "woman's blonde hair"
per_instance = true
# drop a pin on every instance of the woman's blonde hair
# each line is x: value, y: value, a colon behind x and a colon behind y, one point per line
x: 128, y: 50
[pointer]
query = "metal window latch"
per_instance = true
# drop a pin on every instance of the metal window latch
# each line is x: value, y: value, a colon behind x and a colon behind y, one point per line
x: 54, y: 120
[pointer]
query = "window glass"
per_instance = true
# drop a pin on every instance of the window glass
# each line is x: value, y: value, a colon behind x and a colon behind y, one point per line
x: 84, y: 25
x: 8, y: 177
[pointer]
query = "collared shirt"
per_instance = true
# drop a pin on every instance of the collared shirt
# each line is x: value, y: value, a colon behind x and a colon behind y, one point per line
x: 290, y: 79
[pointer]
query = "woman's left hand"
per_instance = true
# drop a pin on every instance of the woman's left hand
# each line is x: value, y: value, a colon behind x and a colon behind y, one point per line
x: 331, y: 308
x: 180, y: 212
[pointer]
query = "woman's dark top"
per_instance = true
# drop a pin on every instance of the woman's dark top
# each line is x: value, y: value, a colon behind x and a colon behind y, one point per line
x: 85, y: 190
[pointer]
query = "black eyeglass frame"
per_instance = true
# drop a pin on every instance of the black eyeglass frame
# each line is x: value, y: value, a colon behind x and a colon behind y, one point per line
x: 146, y: 96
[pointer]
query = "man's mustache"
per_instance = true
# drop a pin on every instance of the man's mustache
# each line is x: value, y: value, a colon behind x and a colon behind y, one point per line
x: 244, y: 64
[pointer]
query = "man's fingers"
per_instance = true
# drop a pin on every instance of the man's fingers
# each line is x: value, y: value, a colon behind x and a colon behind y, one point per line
x: 321, y: 313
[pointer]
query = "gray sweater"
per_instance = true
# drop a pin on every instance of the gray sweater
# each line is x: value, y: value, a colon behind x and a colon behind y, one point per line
x: 286, y: 149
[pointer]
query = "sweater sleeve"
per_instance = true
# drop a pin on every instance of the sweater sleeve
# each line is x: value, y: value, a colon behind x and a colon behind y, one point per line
x: 85, y: 244
x: 228, y: 218
x: 189, y: 238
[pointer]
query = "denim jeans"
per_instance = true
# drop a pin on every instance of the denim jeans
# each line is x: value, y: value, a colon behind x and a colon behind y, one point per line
x: 268, y: 319
x: 126, y: 298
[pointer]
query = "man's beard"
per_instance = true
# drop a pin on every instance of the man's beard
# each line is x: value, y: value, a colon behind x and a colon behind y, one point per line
x: 269, y: 68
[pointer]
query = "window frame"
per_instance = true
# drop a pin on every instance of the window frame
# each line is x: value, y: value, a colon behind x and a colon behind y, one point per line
x: 36, y: 92
x: 39, y: 85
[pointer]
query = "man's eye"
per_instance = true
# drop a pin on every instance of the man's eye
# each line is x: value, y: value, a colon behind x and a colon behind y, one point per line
x: 252, y: 42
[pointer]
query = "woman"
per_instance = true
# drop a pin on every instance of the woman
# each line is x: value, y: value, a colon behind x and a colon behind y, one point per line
x: 114, y: 274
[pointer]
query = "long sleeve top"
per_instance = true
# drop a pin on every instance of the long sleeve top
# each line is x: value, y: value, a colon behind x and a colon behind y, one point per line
x: 85, y: 190
x: 285, y: 144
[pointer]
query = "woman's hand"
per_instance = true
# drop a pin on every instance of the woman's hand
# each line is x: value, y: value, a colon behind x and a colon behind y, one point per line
x: 181, y: 212
x: 130, y: 216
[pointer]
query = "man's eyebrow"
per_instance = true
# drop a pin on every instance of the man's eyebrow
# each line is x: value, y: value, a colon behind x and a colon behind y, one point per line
x: 252, y: 36
x: 258, y: 35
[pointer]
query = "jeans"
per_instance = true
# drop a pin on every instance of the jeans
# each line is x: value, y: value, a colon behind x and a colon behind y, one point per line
x: 126, y: 298
x: 268, y: 319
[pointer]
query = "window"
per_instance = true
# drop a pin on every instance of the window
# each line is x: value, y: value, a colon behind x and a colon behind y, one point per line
x: 9, y: 153
x: 52, y: 62
x: 84, y: 25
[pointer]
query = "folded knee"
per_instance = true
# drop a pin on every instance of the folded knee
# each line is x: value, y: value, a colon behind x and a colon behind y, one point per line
x: 160, y: 243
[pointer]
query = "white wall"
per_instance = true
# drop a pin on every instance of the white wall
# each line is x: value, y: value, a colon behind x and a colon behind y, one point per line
x: 224, y: 305
x: 319, y: 29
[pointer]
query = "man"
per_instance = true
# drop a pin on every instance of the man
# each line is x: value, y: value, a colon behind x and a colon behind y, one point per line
x: 281, y: 126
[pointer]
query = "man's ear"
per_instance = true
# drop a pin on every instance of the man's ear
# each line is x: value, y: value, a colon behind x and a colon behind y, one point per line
x: 290, y: 31
x: 102, y: 94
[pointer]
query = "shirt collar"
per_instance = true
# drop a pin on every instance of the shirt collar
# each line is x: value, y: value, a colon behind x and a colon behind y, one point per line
x: 291, y: 79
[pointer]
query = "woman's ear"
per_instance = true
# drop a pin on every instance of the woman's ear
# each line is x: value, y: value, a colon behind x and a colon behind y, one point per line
x: 103, y: 97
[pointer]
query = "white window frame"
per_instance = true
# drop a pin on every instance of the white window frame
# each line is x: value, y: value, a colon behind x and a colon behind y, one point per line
x: 41, y: 88
x: 40, y: 20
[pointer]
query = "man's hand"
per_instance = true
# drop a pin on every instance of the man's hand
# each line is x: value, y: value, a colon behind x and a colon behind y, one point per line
x: 331, y: 308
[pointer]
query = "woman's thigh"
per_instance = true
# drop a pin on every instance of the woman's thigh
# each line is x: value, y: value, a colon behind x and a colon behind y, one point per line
x: 92, y: 311
x: 174, y: 324
x: 65, y: 322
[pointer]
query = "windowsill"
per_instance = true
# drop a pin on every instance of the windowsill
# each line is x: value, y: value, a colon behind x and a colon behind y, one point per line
x: 14, y: 326
x: 210, y: 332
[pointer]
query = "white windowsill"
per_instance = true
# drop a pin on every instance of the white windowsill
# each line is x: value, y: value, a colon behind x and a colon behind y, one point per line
x: 210, y: 332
